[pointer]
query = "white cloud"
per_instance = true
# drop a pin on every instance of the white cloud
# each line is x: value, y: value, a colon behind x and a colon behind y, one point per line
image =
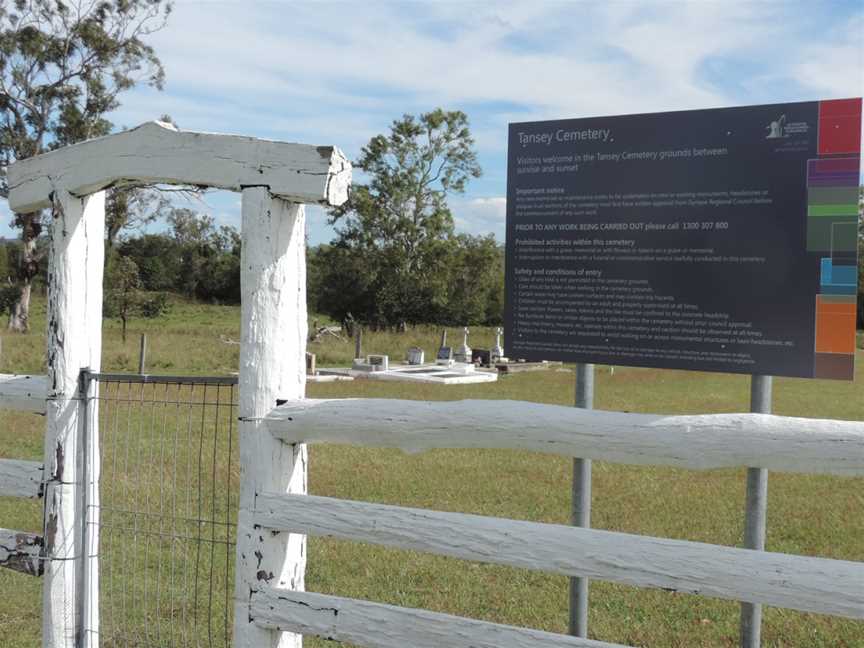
x: 338, y: 74
x: 480, y: 216
x: 834, y: 66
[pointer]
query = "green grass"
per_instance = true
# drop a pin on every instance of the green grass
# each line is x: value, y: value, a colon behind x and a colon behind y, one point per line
x: 810, y: 515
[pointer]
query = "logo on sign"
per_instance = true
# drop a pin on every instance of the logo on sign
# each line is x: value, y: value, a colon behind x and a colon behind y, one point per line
x: 776, y: 128
x: 779, y: 129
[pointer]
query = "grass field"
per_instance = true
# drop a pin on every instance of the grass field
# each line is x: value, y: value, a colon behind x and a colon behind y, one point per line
x: 820, y: 516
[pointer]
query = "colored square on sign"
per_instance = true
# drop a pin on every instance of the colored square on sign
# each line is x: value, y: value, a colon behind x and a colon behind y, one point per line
x: 833, y: 180
x: 844, y: 236
x: 834, y: 366
x: 838, y: 289
x: 825, y: 273
x: 835, y: 328
x: 828, y: 210
x: 844, y: 275
x: 839, y: 127
x: 839, y: 107
x: 834, y: 165
x: 833, y: 235
x: 832, y: 196
x: 835, y: 299
x: 819, y: 235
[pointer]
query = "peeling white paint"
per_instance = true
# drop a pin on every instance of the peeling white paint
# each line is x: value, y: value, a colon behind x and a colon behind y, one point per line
x: 699, y: 442
x: 272, y: 367
x: 23, y: 392
x: 20, y: 551
x: 375, y: 625
x: 796, y: 582
x: 158, y: 153
x: 20, y: 478
x: 74, y: 342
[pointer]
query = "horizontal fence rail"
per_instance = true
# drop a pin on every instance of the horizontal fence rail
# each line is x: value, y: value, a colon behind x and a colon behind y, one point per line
x: 20, y: 478
x: 375, y: 625
x: 21, y: 552
x: 698, y: 442
x: 23, y: 393
x: 796, y: 582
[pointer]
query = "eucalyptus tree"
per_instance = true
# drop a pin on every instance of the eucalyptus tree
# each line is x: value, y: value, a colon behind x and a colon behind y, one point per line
x: 63, y: 65
x: 394, y: 235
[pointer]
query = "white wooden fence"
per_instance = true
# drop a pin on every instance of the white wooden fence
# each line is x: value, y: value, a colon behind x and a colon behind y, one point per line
x: 275, y: 512
x: 275, y: 179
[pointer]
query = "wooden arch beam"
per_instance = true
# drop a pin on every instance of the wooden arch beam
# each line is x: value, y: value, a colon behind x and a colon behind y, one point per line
x: 158, y: 153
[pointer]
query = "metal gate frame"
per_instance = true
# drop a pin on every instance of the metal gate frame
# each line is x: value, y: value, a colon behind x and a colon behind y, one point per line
x: 89, y: 600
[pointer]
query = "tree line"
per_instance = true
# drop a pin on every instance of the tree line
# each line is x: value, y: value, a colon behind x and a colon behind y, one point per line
x: 193, y: 258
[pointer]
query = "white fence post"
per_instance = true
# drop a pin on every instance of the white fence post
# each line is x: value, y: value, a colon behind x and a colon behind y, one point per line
x: 272, y: 367
x: 74, y: 342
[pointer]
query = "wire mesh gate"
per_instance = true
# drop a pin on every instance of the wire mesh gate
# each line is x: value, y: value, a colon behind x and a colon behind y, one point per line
x: 168, y: 510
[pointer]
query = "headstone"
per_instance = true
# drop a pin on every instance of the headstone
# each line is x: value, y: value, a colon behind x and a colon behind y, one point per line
x: 416, y: 355
x: 310, y: 364
x: 482, y: 357
x: 378, y: 362
x: 463, y: 353
x: 497, y: 351
x: 445, y: 356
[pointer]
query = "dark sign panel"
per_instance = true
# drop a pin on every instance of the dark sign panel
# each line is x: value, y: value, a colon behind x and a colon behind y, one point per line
x: 716, y: 240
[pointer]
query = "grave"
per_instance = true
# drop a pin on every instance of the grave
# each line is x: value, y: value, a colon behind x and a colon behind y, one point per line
x: 456, y: 373
x: 481, y: 357
x: 463, y: 353
x: 444, y: 357
x: 497, y: 352
x: 445, y: 371
x: 373, y: 362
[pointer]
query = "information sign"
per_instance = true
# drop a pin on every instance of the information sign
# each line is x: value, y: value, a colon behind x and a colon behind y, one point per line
x: 718, y: 240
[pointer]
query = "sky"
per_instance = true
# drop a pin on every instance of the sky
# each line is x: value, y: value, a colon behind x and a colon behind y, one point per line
x: 339, y: 73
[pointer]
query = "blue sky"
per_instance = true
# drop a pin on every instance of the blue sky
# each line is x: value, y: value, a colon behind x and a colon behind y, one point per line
x: 328, y: 73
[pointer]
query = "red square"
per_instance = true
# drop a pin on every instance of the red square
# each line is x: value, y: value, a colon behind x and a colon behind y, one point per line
x: 840, y: 127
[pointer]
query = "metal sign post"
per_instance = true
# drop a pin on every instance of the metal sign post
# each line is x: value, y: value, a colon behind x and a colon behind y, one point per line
x: 757, y: 506
x: 581, y: 504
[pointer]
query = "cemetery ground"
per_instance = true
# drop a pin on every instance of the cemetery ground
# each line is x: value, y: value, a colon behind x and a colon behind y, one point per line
x: 809, y: 515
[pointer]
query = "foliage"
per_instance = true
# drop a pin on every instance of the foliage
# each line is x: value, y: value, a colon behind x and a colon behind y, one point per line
x: 125, y: 299
x: 130, y: 208
x: 62, y: 66
x: 391, y: 261
x: 195, y: 258
x: 8, y: 297
x: 475, y: 282
x: 157, y: 257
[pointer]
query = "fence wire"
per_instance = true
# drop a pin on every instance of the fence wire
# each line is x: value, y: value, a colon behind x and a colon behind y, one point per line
x: 169, y: 498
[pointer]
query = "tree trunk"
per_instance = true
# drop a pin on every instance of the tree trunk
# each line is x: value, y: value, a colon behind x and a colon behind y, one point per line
x: 19, y: 318
x: 28, y: 268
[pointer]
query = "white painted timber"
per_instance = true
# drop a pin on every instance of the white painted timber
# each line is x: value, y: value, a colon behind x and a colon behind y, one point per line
x: 698, y: 442
x: 74, y: 342
x: 20, y: 551
x: 375, y: 625
x: 158, y: 153
x: 92, y: 516
x: 797, y: 582
x: 23, y: 393
x: 272, y: 367
x: 20, y: 478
